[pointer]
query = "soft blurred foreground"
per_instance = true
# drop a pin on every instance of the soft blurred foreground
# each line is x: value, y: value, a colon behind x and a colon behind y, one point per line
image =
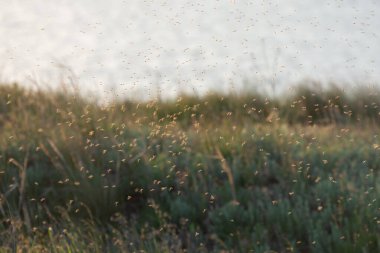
x: 218, y: 173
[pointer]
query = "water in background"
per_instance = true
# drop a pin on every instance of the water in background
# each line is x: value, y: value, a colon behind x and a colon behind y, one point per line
x: 135, y: 47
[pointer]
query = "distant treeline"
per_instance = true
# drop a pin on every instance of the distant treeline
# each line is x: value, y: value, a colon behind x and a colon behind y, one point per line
x: 306, y: 104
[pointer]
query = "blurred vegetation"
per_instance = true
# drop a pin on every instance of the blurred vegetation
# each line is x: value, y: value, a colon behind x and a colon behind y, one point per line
x: 219, y: 173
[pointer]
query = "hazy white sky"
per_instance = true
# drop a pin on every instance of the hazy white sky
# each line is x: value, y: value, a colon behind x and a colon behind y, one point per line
x: 129, y: 45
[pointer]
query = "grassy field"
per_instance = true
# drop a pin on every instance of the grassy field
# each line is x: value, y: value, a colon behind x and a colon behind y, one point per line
x: 220, y: 173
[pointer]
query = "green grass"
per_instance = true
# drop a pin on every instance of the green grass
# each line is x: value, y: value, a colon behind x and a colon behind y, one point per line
x: 232, y: 173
